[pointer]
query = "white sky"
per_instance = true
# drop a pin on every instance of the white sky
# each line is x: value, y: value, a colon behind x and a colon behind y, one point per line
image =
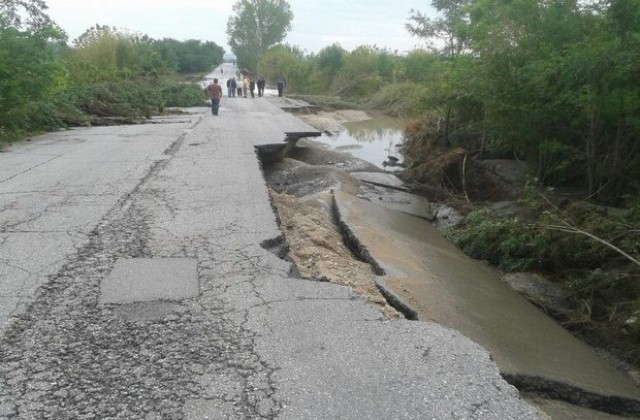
x: 316, y: 23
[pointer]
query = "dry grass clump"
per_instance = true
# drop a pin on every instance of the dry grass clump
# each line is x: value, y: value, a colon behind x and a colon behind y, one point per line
x: 428, y: 165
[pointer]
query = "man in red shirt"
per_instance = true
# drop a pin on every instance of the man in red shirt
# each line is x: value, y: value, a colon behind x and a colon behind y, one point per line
x: 215, y: 92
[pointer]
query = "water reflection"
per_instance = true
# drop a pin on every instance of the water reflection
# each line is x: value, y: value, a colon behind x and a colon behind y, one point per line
x: 372, y: 140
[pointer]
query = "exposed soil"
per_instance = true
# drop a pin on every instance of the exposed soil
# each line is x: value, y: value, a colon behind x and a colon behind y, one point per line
x: 317, y: 248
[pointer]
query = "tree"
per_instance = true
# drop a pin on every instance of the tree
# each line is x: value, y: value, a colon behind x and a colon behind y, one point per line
x: 447, y: 35
x: 450, y: 27
x: 280, y: 61
x: 256, y: 26
x: 330, y: 61
x: 553, y: 82
x: 360, y: 74
x: 15, y: 11
x: 30, y: 70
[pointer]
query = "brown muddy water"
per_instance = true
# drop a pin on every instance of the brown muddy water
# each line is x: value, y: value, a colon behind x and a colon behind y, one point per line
x: 371, y: 140
x: 424, y: 272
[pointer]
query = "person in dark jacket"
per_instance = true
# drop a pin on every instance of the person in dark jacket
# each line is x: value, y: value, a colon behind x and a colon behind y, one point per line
x: 234, y: 85
x: 261, y: 84
x: 252, y: 87
x: 281, y: 85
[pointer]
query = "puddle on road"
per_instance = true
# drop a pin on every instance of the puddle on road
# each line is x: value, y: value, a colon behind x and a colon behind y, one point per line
x: 371, y: 140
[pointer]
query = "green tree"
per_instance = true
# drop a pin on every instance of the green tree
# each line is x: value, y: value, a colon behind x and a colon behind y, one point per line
x: 27, y: 15
x: 97, y: 46
x: 30, y: 69
x: 330, y: 61
x: 256, y: 26
x: 278, y: 61
x: 421, y: 66
x: 602, y: 72
x: 449, y: 32
x: 552, y: 82
x: 190, y: 56
x: 359, y: 75
x: 447, y: 35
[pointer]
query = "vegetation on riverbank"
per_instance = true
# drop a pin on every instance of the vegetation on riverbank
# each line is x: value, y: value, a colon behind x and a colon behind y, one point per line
x: 106, y: 74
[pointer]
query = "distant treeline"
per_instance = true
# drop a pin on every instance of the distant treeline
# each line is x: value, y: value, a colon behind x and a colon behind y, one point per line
x: 46, y: 83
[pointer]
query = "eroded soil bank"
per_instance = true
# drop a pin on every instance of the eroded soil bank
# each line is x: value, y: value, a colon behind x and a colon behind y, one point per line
x: 470, y: 298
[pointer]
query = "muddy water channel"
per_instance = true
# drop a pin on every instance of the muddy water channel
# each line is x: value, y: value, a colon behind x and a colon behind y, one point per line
x: 343, y: 225
x: 375, y: 140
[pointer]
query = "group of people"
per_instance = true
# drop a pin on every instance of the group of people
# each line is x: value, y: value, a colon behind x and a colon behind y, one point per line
x: 245, y: 86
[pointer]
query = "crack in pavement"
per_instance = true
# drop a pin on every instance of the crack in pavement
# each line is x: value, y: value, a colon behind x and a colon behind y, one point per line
x: 67, y: 358
x: 2, y: 181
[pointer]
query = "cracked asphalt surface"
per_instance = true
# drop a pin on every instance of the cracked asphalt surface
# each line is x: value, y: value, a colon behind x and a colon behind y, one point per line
x: 255, y: 343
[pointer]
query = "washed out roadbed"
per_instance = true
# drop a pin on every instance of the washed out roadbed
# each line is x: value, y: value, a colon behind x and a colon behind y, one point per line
x: 305, y: 186
x: 302, y: 194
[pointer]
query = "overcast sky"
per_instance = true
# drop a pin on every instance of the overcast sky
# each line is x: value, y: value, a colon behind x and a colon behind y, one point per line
x: 316, y: 23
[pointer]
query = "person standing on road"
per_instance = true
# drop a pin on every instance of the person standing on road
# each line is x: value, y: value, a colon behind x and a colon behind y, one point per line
x: 261, y: 84
x: 229, y: 88
x: 245, y: 86
x: 252, y: 87
x: 281, y: 85
x: 215, y: 92
x: 233, y: 87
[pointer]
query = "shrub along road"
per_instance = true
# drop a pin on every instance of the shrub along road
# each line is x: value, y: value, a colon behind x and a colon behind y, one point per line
x: 137, y: 283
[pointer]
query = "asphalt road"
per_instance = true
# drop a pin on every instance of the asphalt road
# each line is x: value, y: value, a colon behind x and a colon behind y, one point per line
x: 137, y: 281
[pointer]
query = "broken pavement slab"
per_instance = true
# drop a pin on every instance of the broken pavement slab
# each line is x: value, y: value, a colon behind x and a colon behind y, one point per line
x: 338, y: 358
x: 149, y: 279
x: 456, y: 291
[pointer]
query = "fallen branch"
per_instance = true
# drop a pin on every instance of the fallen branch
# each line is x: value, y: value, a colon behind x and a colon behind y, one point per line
x: 569, y: 228
x: 566, y: 227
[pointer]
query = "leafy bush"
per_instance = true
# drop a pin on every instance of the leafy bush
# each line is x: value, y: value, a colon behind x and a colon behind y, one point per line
x: 555, y: 241
x: 182, y: 94
x: 30, y: 73
x: 505, y: 242
x: 120, y: 98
